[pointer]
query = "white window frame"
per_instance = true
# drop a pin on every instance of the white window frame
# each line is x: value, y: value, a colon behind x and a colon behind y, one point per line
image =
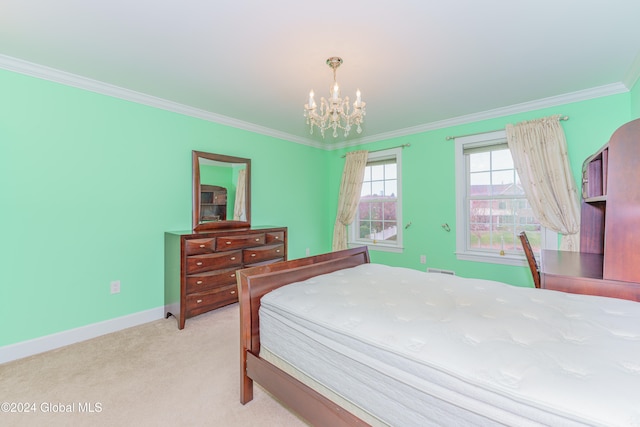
x: 549, y: 238
x: 354, y: 238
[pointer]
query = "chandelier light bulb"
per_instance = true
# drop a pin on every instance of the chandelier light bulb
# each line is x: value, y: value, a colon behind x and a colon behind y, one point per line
x: 336, y: 112
x: 311, y: 103
x: 336, y: 91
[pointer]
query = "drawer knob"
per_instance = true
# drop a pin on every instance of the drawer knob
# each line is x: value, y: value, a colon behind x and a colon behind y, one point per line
x: 278, y: 250
x: 199, y: 301
x: 253, y: 254
x: 257, y: 239
x: 233, y: 258
x: 199, y: 263
x: 199, y: 282
x: 232, y: 275
x: 228, y: 243
x: 233, y: 292
x: 202, y: 246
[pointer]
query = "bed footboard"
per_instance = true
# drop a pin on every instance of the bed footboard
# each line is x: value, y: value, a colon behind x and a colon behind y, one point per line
x: 306, y: 402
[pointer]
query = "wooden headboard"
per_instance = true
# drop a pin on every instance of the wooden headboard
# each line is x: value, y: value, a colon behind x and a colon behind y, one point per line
x: 254, y: 282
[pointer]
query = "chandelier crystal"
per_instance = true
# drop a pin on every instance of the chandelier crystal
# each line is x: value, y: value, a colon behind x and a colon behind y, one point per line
x: 335, y: 113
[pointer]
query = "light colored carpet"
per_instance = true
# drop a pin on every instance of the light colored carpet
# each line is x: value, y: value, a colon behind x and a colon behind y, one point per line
x: 149, y: 375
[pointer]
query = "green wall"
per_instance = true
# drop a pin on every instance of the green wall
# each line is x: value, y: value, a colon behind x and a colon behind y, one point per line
x: 635, y: 100
x: 90, y: 183
x: 428, y: 181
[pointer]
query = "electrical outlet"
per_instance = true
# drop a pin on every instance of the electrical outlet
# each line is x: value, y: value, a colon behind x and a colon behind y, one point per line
x: 115, y: 287
x: 423, y: 259
x: 307, y: 252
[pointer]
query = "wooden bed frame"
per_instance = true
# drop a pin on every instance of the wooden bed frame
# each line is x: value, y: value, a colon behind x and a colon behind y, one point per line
x: 253, y: 283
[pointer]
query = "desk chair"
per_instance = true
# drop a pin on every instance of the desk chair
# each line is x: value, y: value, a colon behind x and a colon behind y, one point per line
x: 533, y: 264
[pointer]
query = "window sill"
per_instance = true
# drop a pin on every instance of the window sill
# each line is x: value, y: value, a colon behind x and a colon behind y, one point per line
x: 376, y: 247
x: 515, y: 260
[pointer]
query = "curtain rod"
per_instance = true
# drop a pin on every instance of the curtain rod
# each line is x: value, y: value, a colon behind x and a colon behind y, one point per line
x: 496, y: 130
x: 382, y: 149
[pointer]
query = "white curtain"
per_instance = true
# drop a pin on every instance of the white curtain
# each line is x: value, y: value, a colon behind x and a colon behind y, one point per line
x: 349, y: 197
x: 539, y: 151
x: 239, y: 207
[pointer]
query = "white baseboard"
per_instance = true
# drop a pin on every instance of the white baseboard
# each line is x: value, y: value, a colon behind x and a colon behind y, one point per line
x: 22, y: 349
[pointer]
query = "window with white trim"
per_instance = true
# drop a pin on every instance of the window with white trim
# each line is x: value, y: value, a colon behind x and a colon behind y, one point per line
x: 378, y: 221
x: 492, y: 208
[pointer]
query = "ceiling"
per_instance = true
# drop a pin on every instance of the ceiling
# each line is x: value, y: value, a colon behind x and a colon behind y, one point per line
x: 420, y: 64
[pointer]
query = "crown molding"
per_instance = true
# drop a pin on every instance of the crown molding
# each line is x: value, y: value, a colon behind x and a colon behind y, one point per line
x: 554, y: 101
x: 62, y: 77
x: 69, y: 79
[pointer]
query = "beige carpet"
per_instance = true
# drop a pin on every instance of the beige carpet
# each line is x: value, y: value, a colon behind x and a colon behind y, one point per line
x: 149, y: 375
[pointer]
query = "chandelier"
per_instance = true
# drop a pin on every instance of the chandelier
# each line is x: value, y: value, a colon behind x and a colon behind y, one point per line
x: 335, y: 113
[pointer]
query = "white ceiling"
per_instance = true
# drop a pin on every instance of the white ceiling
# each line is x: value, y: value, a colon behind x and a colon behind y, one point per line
x: 418, y: 63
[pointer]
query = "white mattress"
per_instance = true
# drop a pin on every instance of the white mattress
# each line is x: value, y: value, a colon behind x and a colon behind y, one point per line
x: 420, y: 349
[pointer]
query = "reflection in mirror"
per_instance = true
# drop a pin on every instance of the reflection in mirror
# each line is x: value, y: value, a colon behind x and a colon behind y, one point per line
x: 221, y: 191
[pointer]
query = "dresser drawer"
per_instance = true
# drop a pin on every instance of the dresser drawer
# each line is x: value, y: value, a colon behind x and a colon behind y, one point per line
x: 216, y: 261
x: 205, y: 301
x: 199, y: 246
x: 205, y: 281
x: 225, y: 243
x: 274, y: 237
x: 263, y: 253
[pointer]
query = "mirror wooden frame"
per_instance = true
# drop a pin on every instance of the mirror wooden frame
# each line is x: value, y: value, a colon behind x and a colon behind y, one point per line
x: 214, y: 225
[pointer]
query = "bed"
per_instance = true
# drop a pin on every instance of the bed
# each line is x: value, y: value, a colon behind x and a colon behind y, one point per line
x: 348, y: 343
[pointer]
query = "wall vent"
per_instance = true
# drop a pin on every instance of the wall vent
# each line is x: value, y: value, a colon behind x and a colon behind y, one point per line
x: 437, y: 270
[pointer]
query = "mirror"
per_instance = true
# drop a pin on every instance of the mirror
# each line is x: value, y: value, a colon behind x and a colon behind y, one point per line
x: 221, y: 191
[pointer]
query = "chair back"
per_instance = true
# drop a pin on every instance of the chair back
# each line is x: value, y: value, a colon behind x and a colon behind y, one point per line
x: 531, y: 259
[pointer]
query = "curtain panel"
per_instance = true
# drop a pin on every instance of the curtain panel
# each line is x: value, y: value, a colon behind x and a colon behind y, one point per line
x: 239, y: 208
x: 350, y: 188
x: 539, y: 151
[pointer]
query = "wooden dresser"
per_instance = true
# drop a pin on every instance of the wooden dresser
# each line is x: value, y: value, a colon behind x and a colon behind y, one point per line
x: 200, y: 268
x: 607, y: 264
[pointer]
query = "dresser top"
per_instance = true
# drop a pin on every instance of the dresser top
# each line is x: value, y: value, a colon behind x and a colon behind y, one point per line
x: 226, y: 230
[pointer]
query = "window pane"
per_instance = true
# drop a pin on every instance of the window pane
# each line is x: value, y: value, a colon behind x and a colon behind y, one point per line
x: 376, y: 210
x: 502, y: 182
x: 501, y: 159
x: 479, y: 184
x: 390, y: 211
x: 366, y: 189
x: 517, y: 188
x: 479, y: 224
x: 365, y: 229
x: 377, y: 172
x: 377, y: 188
x: 367, y: 174
x: 480, y: 178
x: 391, y: 188
x: 479, y: 162
x: 364, y: 210
x: 391, y: 171
x: 390, y: 231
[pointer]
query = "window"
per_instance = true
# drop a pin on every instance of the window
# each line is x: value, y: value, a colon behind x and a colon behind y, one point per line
x: 491, y: 205
x: 378, y: 221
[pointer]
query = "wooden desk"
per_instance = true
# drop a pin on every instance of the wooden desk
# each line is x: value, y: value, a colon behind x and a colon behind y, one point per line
x: 581, y: 273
